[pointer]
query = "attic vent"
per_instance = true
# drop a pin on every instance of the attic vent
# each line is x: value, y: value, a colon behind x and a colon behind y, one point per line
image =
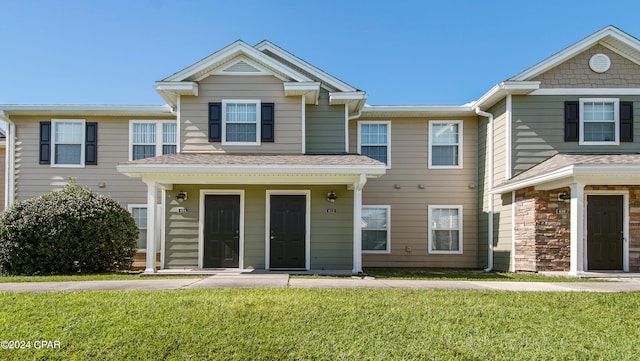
x: 599, y: 63
x: 241, y: 67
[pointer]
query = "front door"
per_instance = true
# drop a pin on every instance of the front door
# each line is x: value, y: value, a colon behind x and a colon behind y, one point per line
x: 221, y: 231
x: 288, y: 232
x: 605, y: 232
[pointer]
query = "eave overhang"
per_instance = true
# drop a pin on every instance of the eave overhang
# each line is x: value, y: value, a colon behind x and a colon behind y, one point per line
x: 503, y: 89
x: 169, y: 90
x: 309, y: 90
x: 87, y: 110
x: 354, y: 100
x: 391, y: 111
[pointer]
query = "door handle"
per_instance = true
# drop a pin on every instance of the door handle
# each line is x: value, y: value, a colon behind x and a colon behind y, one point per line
x: 273, y: 237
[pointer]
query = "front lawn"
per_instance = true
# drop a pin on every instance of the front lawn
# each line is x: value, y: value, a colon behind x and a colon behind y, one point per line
x: 466, y: 275
x: 322, y: 324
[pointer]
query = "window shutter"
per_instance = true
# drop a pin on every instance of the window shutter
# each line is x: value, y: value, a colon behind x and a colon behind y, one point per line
x: 571, y: 121
x: 626, y: 121
x: 91, y: 144
x: 215, y: 122
x: 268, y: 123
x: 45, y: 142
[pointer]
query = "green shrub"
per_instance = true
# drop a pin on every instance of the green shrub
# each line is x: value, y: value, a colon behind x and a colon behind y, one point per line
x: 74, y: 230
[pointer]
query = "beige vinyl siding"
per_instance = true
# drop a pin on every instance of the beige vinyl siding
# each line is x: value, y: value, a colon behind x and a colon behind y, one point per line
x: 34, y: 179
x: 409, y: 204
x: 3, y: 161
x: 325, y: 124
x: 331, y: 233
x: 194, y: 113
x: 538, y: 130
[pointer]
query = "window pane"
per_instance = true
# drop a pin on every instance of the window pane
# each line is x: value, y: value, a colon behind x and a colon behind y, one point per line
x: 140, y: 216
x: 169, y: 133
x: 374, y: 229
x: 374, y: 240
x: 599, y: 111
x: 374, y: 218
x: 143, y: 151
x: 445, y: 218
x: 599, y: 132
x: 144, y: 133
x: 375, y: 152
x: 444, y: 155
x: 68, y: 153
x: 241, y: 113
x: 373, y: 134
x: 444, y: 134
x: 447, y: 240
x: 168, y: 149
x: 68, y: 133
x: 241, y: 132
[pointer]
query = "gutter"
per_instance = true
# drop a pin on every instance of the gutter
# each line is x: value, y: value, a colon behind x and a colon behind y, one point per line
x: 10, y: 168
x: 489, y: 162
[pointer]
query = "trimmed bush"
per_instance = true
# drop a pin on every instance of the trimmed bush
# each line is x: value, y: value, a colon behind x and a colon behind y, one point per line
x: 74, y: 230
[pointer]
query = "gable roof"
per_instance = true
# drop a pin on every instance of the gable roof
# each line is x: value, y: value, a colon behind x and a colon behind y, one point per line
x: 610, y: 37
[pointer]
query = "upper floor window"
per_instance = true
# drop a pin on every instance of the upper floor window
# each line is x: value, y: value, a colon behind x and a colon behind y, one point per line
x: 598, y: 121
x: 445, y: 229
x: 68, y: 142
x: 376, y: 236
x: 150, y: 138
x: 240, y: 121
x: 374, y: 140
x: 445, y: 144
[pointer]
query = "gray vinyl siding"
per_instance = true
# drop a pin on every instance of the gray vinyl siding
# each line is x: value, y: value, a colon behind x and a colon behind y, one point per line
x: 194, y: 113
x: 3, y: 160
x: 538, y: 130
x: 409, y: 204
x: 325, y: 125
x: 34, y: 179
x: 331, y: 233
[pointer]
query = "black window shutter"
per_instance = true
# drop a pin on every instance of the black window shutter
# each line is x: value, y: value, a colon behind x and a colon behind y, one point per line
x: 571, y: 121
x: 215, y: 122
x: 268, y: 123
x: 91, y: 144
x: 45, y: 142
x: 626, y: 121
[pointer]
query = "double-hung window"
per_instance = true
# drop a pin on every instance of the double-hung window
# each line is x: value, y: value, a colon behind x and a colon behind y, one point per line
x: 68, y: 146
x: 241, y: 120
x: 139, y: 213
x: 376, y: 235
x: 151, y: 138
x: 599, y: 121
x: 445, y: 144
x: 445, y: 229
x: 374, y: 140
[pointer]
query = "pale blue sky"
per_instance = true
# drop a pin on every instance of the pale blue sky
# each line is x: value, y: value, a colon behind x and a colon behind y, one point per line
x: 399, y: 52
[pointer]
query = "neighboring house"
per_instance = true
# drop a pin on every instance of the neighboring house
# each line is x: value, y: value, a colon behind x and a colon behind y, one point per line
x: 260, y: 160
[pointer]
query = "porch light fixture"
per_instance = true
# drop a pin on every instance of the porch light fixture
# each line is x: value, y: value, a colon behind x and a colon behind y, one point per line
x: 181, y: 197
x: 564, y: 196
x: 331, y: 197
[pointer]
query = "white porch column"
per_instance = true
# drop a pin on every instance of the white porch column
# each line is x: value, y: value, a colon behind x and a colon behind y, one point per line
x: 577, y: 229
x: 357, y: 227
x: 152, y: 203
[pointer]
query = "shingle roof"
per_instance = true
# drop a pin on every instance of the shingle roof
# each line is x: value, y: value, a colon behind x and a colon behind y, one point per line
x: 252, y: 159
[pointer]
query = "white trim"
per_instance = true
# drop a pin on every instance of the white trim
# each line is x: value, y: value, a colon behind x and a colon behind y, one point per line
x: 616, y: 121
x: 460, y: 144
x: 512, y: 267
x: 86, y: 110
x: 385, y: 122
x: 267, y: 226
x: 163, y: 224
x: 625, y: 224
x: 430, y: 229
x: 83, y: 133
x: 178, y: 123
x: 258, y: 122
x: 587, y: 91
x: 220, y: 192
x: 159, y: 134
x: 152, y: 203
x: 508, y: 138
x: 346, y: 128
x: 388, y: 229
x: 303, y: 117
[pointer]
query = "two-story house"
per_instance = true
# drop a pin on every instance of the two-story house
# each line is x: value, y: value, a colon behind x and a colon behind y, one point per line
x: 261, y: 160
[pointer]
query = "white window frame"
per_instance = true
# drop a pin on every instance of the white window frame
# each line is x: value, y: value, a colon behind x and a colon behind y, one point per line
x: 159, y: 134
x: 459, y: 123
x: 460, y: 225
x: 130, y: 207
x: 616, y: 121
x: 54, y: 122
x: 388, y: 145
x: 388, y: 229
x: 258, y: 104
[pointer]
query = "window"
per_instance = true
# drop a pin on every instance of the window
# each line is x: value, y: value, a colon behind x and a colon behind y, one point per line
x: 240, y: 121
x: 445, y: 144
x: 598, y: 121
x: 376, y: 237
x: 68, y: 142
x: 374, y: 140
x: 445, y: 229
x: 150, y: 138
x: 139, y: 213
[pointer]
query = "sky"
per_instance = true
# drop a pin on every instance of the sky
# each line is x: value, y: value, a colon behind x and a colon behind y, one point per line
x: 400, y: 52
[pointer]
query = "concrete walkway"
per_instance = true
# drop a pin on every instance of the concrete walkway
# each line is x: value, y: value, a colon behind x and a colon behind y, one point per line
x: 237, y: 280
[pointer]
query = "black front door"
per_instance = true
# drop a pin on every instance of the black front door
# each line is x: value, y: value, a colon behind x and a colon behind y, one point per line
x: 288, y: 229
x: 604, y: 232
x: 221, y: 231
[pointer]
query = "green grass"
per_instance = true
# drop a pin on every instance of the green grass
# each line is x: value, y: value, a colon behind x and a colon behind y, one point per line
x: 322, y: 324
x: 465, y: 275
x: 95, y: 277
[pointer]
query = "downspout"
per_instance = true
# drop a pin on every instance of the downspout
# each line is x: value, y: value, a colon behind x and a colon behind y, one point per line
x: 489, y: 163
x: 9, y: 174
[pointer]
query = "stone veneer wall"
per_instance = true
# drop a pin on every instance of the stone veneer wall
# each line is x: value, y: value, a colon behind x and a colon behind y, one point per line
x: 541, y: 233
